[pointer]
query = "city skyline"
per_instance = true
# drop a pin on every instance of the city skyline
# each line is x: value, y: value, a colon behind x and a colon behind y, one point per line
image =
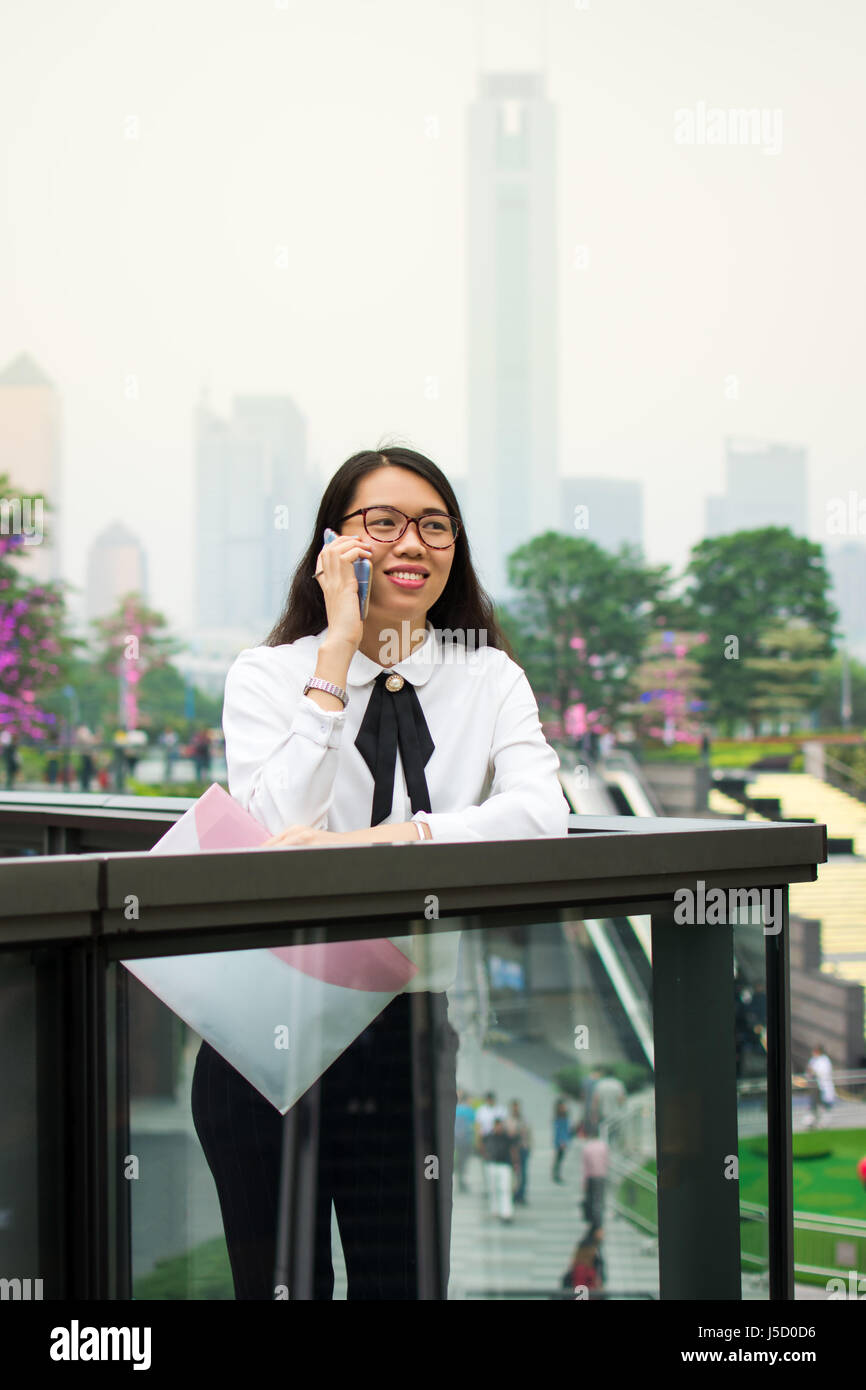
x: 269, y: 433
x: 703, y: 292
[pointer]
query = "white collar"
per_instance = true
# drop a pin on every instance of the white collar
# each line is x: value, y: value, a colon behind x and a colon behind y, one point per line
x: 416, y: 668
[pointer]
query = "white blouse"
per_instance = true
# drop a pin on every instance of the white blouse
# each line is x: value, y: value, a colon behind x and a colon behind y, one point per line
x: 492, y: 775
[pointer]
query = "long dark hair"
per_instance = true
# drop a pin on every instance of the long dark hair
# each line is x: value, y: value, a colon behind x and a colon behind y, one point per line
x: 463, y: 606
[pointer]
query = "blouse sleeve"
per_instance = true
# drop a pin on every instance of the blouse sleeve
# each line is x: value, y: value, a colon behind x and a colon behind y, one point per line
x: 281, y: 748
x: 526, y: 799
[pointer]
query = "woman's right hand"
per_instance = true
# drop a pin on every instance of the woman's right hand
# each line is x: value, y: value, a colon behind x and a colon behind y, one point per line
x: 340, y: 587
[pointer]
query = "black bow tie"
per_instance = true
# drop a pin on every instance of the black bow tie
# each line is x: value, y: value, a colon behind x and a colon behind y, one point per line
x: 393, y: 715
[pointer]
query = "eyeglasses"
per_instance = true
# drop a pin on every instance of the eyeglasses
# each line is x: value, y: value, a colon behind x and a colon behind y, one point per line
x: 436, y: 529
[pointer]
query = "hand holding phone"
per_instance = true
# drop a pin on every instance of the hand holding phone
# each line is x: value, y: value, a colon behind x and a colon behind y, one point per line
x: 363, y: 570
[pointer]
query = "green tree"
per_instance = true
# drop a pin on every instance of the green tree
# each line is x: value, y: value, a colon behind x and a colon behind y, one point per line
x: 570, y: 589
x: 162, y: 696
x: 96, y: 692
x: 667, y: 679
x: 741, y: 586
x: 787, y: 674
x: 130, y: 644
x: 830, y: 694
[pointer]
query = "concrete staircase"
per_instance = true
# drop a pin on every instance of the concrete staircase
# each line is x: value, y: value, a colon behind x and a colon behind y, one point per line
x: 838, y: 896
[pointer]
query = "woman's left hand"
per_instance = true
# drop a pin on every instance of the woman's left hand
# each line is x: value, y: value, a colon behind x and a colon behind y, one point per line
x: 302, y: 835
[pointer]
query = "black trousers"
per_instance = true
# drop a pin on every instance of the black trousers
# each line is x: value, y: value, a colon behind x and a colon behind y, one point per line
x: 593, y: 1202
x: 377, y: 1140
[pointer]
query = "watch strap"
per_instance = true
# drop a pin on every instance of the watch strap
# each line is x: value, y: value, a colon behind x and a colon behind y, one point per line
x: 316, y: 683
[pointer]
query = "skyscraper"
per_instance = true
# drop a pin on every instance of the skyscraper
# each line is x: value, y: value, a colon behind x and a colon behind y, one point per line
x: 30, y: 455
x: 512, y: 319
x: 765, y: 486
x: 254, y: 506
x: 613, y: 510
x: 116, y: 565
x: 846, y: 564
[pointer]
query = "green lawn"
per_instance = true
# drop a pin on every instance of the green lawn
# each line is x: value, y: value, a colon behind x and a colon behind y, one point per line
x: 826, y: 1183
x: 829, y: 1186
x: 826, y: 1186
x: 201, y: 1273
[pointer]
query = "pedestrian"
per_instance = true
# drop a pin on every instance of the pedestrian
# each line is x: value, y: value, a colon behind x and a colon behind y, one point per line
x: 464, y: 1138
x: 561, y: 1136
x: 120, y: 762
x: 499, y: 1153
x: 594, y: 1159
x: 136, y: 740
x: 488, y: 1111
x: 85, y: 741
x: 588, y: 1085
x: 170, y: 742
x: 522, y: 1135
x: 10, y: 757
x: 485, y: 1115
x: 586, y: 1272
x: 608, y: 1098
x: 820, y: 1068
x: 351, y: 725
x: 201, y: 755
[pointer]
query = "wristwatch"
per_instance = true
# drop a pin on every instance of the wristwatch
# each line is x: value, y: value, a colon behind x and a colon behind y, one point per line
x: 316, y: 683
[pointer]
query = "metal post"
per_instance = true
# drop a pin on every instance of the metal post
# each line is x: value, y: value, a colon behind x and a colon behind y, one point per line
x: 696, y: 1109
x: 52, y: 1109
x: 779, y: 1103
x: 428, y: 1225
x: 296, y: 1212
x: 119, y: 1187
x: 95, y: 1179
x: 72, y: 1107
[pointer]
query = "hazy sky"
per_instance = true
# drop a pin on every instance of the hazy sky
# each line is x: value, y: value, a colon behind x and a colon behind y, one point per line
x: 157, y: 154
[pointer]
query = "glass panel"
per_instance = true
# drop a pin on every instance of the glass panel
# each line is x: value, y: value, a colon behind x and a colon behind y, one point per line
x: 567, y: 1043
x: 553, y: 1180
x: 178, y: 1246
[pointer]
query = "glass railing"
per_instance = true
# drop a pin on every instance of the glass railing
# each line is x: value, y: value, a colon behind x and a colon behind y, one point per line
x: 620, y: 1145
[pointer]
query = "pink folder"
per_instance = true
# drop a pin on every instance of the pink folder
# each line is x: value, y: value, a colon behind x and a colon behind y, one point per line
x: 279, y: 1015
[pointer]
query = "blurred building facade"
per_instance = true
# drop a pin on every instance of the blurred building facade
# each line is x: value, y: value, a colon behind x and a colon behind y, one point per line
x: 255, y: 502
x: 846, y: 565
x: 511, y: 319
x: 30, y: 453
x: 765, y: 485
x: 116, y: 565
x: 608, y: 511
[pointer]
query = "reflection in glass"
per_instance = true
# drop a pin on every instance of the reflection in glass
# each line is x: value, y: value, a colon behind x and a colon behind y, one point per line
x: 553, y: 1142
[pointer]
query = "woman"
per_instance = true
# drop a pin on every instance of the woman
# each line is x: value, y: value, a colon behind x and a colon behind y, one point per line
x: 312, y: 737
x: 586, y: 1271
x: 523, y: 1135
x: 561, y: 1136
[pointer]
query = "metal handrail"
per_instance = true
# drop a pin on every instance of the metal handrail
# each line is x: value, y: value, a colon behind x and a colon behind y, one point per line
x: 844, y: 770
x: 854, y: 1075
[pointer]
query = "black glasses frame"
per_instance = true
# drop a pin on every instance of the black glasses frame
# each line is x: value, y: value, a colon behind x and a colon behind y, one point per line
x: 362, y: 512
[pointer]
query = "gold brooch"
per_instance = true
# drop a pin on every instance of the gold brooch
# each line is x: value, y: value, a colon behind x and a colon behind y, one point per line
x: 394, y: 682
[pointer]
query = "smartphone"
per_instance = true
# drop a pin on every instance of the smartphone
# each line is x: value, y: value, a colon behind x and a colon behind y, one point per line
x: 362, y: 569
